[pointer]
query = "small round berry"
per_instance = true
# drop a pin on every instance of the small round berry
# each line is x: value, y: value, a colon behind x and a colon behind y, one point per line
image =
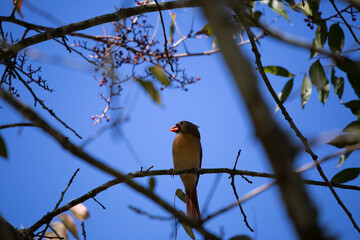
x: 198, y: 78
x: 92, y: 117
x: 161, y: 89
x: 100, y: 84
x: 312, y: 27
x: 354, y: 19
x: 18, y: 95
x: 108, y: 119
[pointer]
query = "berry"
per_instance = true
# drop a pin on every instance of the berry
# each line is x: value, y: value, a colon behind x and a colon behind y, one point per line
x: 161, y: 89
x: 122, y: 8
x: 100, y: 84
x: 18, y: 95
x: 92, y: 117
x: 108, y: 119
x: 198, y: 78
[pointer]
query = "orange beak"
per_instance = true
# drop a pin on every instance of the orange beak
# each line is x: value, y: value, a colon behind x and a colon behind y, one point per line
x: 174, y: 129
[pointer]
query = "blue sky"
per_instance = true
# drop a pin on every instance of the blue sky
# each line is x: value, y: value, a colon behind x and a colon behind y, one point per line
x: 38, y: 170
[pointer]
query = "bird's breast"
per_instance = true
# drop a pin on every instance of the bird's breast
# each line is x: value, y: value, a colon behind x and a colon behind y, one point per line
x: 186, y: 151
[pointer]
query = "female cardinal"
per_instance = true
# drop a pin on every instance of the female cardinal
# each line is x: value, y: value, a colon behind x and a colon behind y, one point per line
x: 187, y: 153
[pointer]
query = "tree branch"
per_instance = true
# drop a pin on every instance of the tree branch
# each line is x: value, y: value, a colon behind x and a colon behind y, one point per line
x: 76, y: 151
x: 73, y: 27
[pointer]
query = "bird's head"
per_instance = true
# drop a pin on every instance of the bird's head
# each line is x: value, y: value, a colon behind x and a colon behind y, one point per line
x: 186, y: 127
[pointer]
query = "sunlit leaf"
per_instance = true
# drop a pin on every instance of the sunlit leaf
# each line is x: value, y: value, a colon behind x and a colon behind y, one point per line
x: 306, y: 89
x: 206, y: 30
x: 187, y: 229
x: 354, y: 106
x: 60, y: 230
x: 353, y: 127
x: 69, y: 223
x: 152, y: 183
x: 172, y: 27
x: 159, y: 74
x: 346, y: 175
x: 310, y: 7
x: 346, y: 139
x: 240, y: 237
x: 3, y: 150
x: 285, y: 92
x: 150, y: 89
x: 278, y: 7
x: 279, y: 71
x: 342, y: 159
x: 319, y: 79
x: 338, y: 83
x: 180, y: 194
x: 80, y: 212
x: 336, y: 38
x: 320, y: 39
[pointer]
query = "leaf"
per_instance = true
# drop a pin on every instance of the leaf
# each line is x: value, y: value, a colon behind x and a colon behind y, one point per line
x: 277, y: 70
x: 354, y: 79
x: 152, y: 184
x: 159, y: 74
x: 278, y: 7
x: 69, y: 223
x: 172, y: 27
x: 306, y: 89
x: 319, y: 79
x: 206, y: 30
x: 181, y: 195
x: 60, y: 230
x: 342, y: 159
x: 344, y: 140
x: 353, y: 127
x: 150, y: 89
x: 310, y: 7
x: 187, y: 229
x: 354, y: 106
x: 345, y: 175
x: 338, y: 83
x: 3, y: 150
x: 80, y: 212
x: 319, y: 40
x: 336, y: 38
x: 240, y: 237
x: 285, y: 92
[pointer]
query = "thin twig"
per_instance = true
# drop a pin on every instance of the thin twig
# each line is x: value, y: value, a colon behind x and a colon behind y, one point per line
x: 236, y: 195
x: 60, y: 200
x: 141, y: 212
x: 103, y: 207
x: 165, y: 43
x: 83, y: 229
x: 347, y: 25
x: 18, y: 125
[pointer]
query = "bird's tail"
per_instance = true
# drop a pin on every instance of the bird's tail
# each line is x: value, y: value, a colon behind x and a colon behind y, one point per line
x: 192, y: 205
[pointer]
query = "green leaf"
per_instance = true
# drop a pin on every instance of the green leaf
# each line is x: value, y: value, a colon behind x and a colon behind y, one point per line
x: 354, y: 106
x: 306, y: 89
x: 336, y: 38
x: 353, y: 127
x: 338, y: 83
x: 206, y: 30
x: 344, y: 140
x: 285, y: 92
x: 319, y: 40
x: 346, y: 175
x: 150, y: 89
x: 181, y: 195
x: 159, y: 74
x: 187, y: 229
x: 354, y: 79
x: 319, y: 79
x: 152, y: 183
x: 240, y: 237
x: 278, y: 7
x: 342, y: 159
x: 277, y: 70
x: 3, y: 151
x: 311, y: 7
x: 172, y: 27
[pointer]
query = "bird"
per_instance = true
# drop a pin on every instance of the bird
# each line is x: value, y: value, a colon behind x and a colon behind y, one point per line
x: 187, y: 153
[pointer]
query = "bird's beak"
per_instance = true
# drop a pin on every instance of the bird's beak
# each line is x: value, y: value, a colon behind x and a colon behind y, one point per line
x: 174, y: 129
